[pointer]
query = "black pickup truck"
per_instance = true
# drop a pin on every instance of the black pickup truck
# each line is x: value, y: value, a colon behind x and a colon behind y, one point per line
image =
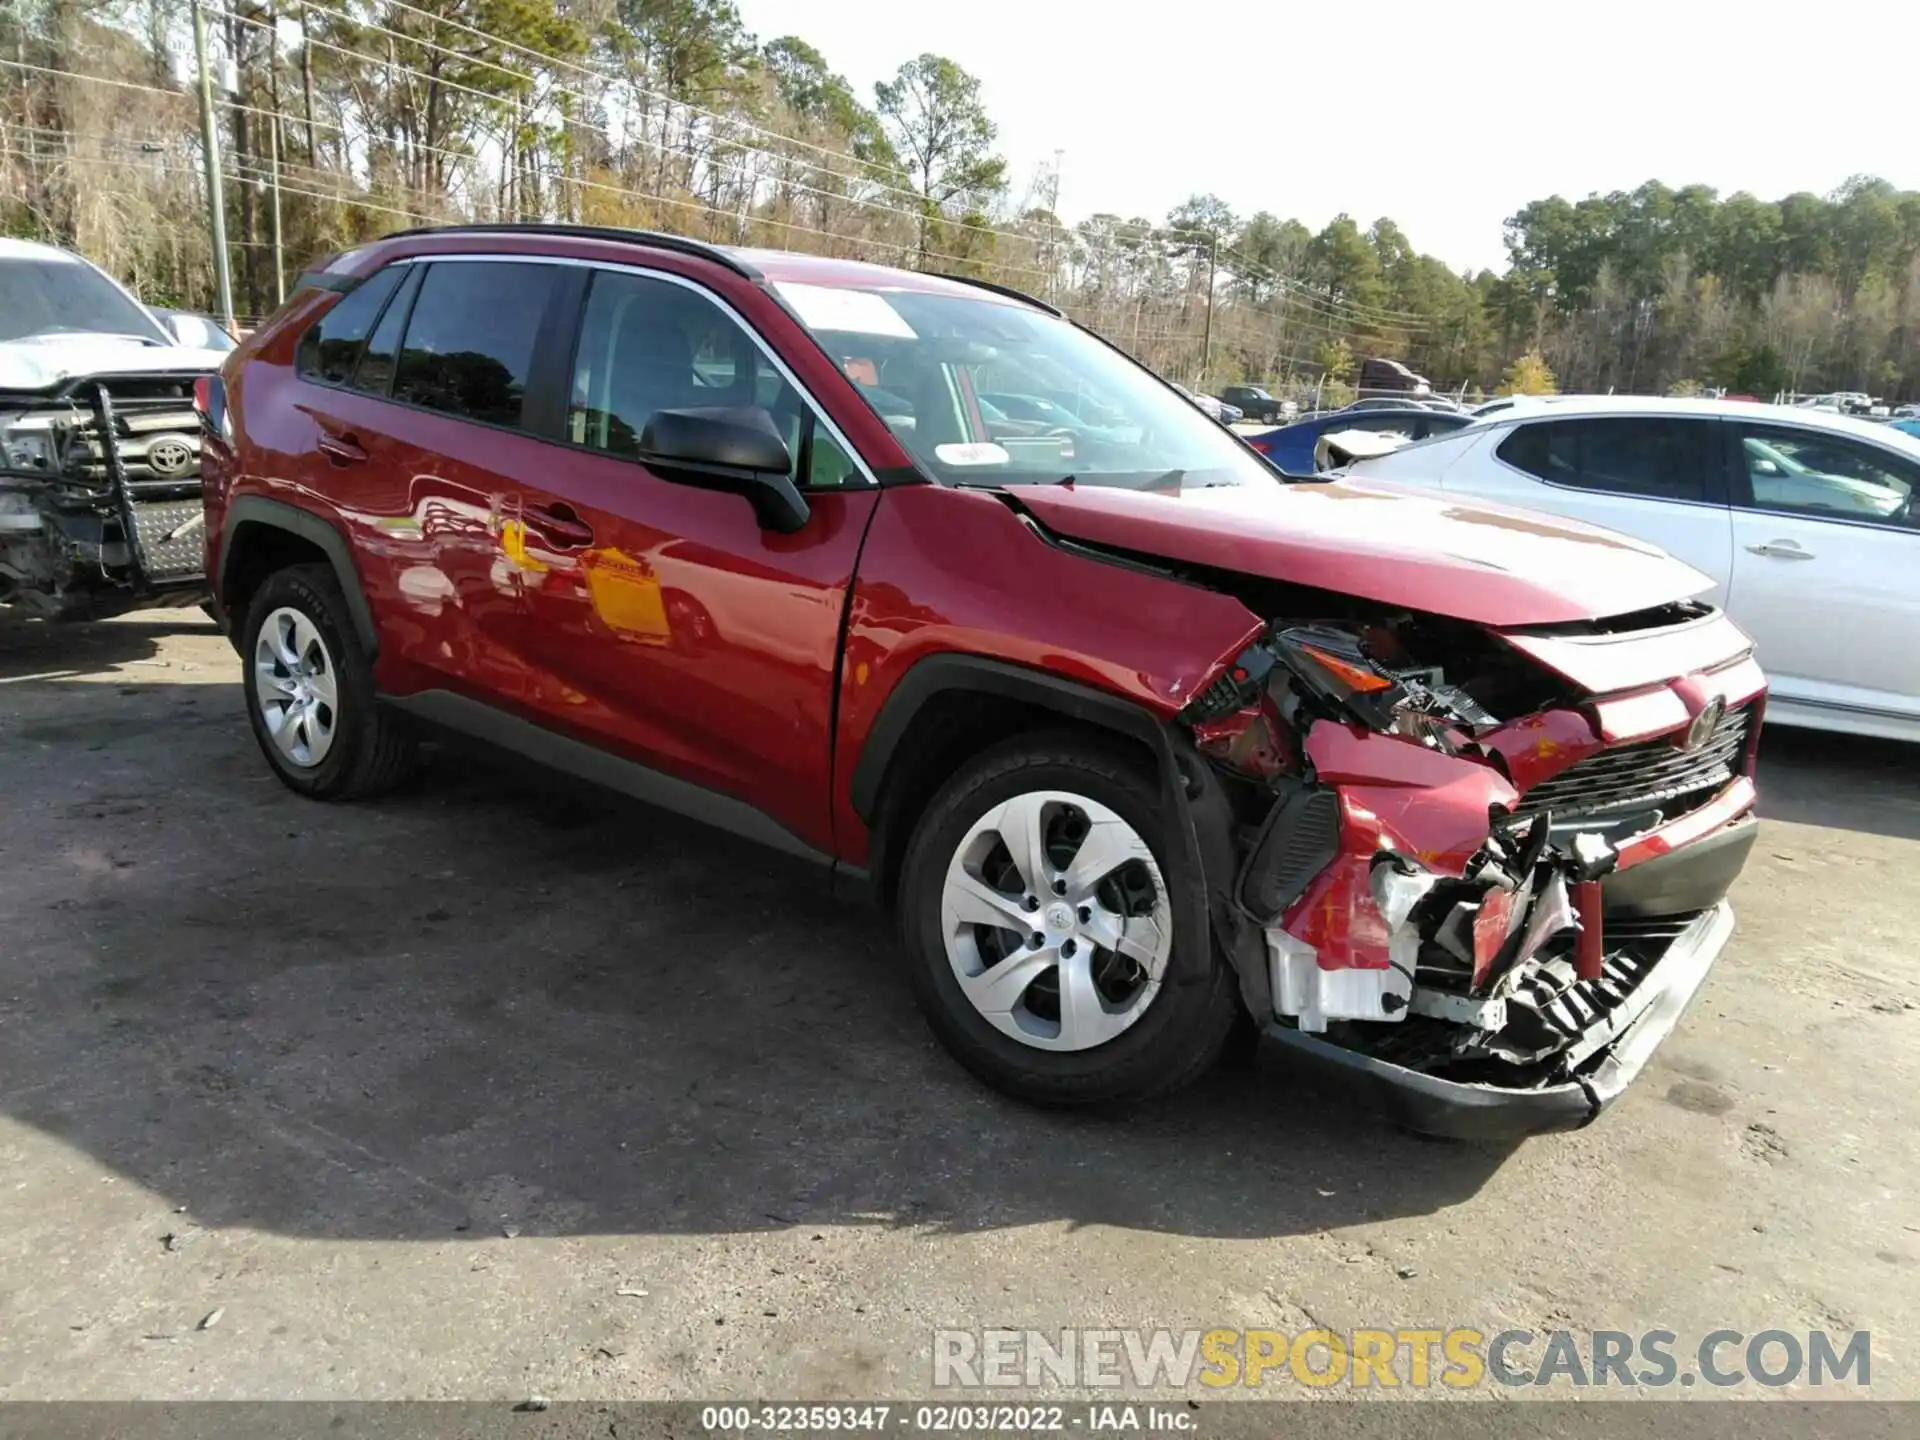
x: 1255, y: 403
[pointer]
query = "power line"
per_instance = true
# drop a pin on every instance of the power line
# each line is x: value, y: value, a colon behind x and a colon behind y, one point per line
x: 1163, y: 251
x: 596, y: 73
x: 1379, y: 317
x: 865, y: 176
x: 1250, y: 326
x: 625, y: 192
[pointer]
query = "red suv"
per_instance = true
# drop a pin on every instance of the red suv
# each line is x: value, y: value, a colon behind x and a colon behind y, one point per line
x: 1134, y: 735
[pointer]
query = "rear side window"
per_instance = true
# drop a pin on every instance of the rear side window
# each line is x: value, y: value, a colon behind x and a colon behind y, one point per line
x: 332, y: 343
x: 1651, y: 456
x: 470, y: 339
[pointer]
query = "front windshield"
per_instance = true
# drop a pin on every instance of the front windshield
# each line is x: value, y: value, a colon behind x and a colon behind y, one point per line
x: 61, y: 297
x: 987, y: 393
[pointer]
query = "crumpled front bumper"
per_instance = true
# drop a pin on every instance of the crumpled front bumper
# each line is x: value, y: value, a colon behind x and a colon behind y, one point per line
x: 1457, y: 1110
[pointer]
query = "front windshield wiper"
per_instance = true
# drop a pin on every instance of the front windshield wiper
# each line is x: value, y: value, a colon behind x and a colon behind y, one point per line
x: 1171, y: 477
x: 1165, y: 480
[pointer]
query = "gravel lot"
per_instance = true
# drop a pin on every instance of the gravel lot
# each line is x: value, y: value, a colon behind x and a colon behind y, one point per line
x: 420, y: 1088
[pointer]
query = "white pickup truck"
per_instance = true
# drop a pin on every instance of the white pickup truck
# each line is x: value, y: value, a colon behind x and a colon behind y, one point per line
x: 99, y: 443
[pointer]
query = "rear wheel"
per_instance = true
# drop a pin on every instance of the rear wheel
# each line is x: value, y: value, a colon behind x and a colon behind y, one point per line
x: 1038, y: 907
x: 310, y: 695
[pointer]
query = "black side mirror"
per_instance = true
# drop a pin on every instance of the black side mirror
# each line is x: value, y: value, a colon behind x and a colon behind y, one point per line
x: 735, y: 448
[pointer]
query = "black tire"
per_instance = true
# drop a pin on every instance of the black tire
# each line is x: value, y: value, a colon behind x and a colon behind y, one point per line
x: 373, y: 748
x: 1185, y: 1027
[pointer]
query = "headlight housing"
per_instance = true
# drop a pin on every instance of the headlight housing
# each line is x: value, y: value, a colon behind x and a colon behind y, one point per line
x: 1332, y: 670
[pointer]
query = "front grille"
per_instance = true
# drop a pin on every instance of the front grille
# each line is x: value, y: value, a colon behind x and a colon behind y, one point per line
x: 1647, y: 773
x: 158, y: 441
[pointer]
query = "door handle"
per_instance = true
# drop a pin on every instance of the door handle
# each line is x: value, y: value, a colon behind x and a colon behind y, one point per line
x: 1780, y: 550
x: 340, y: 449
x: 560, y: 524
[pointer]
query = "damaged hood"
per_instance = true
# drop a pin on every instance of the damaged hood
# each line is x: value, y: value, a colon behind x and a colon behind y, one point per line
x: 1486, y: 563
x: 46, y: 362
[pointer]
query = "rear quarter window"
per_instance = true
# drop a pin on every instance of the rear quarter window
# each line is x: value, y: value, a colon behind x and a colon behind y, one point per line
x: 331, y: 347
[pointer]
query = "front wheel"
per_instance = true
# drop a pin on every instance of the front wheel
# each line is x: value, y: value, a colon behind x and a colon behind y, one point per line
x: 310, y: 692
x: 1038, y: 905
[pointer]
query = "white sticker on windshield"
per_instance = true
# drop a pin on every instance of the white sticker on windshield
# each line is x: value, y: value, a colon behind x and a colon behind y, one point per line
x: 979, y: 452
x: 858, y: 312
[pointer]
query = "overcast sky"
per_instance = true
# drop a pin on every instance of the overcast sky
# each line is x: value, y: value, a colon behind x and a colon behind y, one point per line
x: 1445, y: 116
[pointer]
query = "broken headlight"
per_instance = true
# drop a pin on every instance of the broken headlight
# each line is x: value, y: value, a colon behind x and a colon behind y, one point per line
x: 1333, y: 672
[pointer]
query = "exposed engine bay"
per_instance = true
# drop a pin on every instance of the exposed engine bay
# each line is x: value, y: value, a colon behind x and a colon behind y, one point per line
x: 100, y: 508
x: 1470, y: 875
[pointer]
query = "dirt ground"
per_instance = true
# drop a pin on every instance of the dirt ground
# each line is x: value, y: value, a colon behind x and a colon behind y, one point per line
x: 495, y: 1088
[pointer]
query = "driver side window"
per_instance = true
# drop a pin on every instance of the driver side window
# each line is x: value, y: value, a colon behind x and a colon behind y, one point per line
x: 1823, y: 476
x: 648, y: 345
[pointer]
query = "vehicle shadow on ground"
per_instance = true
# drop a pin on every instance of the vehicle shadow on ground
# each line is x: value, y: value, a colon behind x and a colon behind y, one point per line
x: 499, y: 1000
x: 1841, y: 782
x: 63, y: 650
x: 495, y: 1000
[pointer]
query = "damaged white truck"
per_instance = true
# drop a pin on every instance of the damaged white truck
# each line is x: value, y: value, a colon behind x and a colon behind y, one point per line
x: 100, y: 508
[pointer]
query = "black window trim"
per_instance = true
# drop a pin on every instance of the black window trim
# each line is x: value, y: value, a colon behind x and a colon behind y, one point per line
x: 1716, y: 476
x: 313, y: 379
x: 1740, y: 487
x: 407, y: 290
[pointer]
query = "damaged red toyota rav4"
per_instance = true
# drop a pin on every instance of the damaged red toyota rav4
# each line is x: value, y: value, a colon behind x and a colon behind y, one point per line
x: 1132, y: 734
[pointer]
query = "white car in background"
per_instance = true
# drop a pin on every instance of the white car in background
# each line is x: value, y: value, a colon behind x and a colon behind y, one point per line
x: 1806, y: 520
x: 100, y: 507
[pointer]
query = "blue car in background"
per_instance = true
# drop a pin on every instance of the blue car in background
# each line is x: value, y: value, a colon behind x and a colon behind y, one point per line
x: 1909, y: 426
x: 1290, y: 448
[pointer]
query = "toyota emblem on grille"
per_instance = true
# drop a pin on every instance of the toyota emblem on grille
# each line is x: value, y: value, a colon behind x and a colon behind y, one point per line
x: 1705, y: 723
x: 168, y: 456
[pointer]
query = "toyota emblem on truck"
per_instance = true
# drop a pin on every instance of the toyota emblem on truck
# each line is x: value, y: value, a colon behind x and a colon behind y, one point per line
x: 168, y: 456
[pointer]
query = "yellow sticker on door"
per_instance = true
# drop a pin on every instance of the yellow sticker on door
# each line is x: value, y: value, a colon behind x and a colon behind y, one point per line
x: 626, y: 595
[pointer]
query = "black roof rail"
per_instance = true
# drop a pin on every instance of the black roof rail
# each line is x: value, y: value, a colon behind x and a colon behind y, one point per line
x: 655, y: 238
x: 1007, y: 290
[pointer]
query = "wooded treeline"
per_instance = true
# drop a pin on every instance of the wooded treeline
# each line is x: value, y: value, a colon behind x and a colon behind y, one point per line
x: 373, y: 115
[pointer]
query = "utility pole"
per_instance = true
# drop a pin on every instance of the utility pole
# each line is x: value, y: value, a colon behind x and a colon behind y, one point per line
x: 273, y: 149
x: 306, y: 82
x: 210, y: 149
x: 279, y: 249
x: 1206, y: 344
